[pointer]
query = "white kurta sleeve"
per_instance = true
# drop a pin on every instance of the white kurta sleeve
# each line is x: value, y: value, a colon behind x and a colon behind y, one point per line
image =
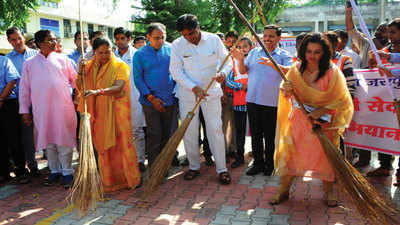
x: 176, y: 67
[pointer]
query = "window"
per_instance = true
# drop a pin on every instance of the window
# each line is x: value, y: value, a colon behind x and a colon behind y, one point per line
x: 110, y: 33
x: 90, y: 28
x: 78, y: 25
x: 50, y: 4
x: 102, y: 27
x: 67, y: 28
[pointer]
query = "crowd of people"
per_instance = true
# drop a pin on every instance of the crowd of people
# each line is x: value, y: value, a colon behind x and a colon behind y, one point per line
x: 137, y: 92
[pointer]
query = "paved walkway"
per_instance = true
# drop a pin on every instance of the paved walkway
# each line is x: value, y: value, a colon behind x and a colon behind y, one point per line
x: 178, y: 202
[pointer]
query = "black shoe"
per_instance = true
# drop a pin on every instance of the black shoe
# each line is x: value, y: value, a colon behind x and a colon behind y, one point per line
x: 23, y: 179
x: 142, y: 167
x: 35, y: 172
x: 268, y: 172
x: 237, y: 163
x: 67, y: 181
x: 185, y: 162
x: 254, y: 171
x: 53, y: 179
x: 360, y: 164
x: 4, y: 179
x: 209, y: 160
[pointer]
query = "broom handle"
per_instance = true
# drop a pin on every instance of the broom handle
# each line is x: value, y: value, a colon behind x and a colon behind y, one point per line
x: 225, y: 60
x: 267, y: 53
x: 83, y: 58
x: 259, y: 7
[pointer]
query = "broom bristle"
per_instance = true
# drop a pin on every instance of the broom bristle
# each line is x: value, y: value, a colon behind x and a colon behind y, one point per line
x: 87, y: 189
x: 164, y: 159
x: 368, y: 201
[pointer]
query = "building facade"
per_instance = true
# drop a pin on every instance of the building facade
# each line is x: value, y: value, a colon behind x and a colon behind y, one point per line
x: 320, y: 18
x: 62, y: 17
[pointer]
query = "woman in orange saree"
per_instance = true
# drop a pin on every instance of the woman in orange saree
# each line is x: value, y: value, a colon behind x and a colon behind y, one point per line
x: 321, y: 86
x: 108, y: 103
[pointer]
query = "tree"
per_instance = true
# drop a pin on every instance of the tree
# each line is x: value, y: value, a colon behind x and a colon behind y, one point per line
x: 213, y: 15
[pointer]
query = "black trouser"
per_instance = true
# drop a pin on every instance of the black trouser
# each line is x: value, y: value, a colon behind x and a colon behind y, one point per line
x: 240, y: 125
x: 206, y: 146
x: 385, y: 160
x: 11, y: 138
x: 158, y: 130
x: 262, y: 121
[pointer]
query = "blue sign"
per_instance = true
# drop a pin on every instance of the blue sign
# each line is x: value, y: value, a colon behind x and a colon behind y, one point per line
x: 48, y: 24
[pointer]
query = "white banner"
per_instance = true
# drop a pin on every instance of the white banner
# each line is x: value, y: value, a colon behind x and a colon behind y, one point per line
x: 374, y: 126
x: 289, y: 44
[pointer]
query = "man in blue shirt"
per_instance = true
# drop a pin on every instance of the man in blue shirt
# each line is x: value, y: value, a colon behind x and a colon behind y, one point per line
x: 18, y: 56
x: 155, y: 84
x: 10, y: 129
x: 75, y: 55
x: 262, y: 98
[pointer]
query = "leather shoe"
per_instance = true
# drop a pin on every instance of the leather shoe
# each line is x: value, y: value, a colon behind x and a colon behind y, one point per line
x: 254, y: 171
x: 236, y: 164
x: 268, y: 172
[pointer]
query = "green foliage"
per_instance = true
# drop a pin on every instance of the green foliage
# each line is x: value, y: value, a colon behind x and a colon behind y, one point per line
x: 213, y: 15
x: 15, y: 13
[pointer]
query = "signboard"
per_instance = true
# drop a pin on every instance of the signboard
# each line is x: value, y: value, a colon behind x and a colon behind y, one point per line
x: 374, y: 126
x: 48, y: 24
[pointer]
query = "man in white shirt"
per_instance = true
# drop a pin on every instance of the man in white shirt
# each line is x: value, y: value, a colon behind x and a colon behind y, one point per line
x: 194, y: 59
x: 125, y: 51
x: 343, y: 39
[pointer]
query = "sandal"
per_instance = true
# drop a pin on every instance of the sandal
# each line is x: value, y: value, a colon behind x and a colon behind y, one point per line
x: 331, y: 203
x: 279, y: 198
x: 225, y: 178
x: 191, y: 174
x: 380, y: 172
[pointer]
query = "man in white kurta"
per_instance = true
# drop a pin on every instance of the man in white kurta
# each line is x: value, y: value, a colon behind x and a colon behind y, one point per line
x: 194, y: 60
x: 125, y: 51
x: 45, y: 85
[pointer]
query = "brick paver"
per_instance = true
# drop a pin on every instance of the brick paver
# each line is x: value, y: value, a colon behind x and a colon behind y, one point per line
x: 178, y: 202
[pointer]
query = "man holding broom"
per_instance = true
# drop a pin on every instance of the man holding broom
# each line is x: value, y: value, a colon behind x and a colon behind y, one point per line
x: 194, y: 59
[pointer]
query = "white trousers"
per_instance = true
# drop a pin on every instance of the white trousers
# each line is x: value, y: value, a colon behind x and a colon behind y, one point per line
x: 140, y: 144
x: 212, y: 115
x: 59, y: 159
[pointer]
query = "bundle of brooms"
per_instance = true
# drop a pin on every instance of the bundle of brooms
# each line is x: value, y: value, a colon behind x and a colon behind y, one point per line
x: 164, y: 159
x: 368, y: 201
x: 87, y: 189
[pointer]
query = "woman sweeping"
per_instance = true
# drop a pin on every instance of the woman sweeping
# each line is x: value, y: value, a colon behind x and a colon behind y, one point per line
x: 322, y: 87
x: 108, y: 103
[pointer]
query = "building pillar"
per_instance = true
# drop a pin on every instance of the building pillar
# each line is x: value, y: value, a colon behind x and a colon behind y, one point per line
x: 316, y: 26
x: 382, y: 11
x: 325, y: 25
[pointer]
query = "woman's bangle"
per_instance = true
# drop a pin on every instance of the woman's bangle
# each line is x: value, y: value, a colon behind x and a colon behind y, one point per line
x: 150, y: 97
x: 101, y: 91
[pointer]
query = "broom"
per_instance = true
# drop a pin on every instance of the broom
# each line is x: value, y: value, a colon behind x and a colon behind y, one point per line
x: 87, y: 189
x: 164, y: 159
x: 370, y: 204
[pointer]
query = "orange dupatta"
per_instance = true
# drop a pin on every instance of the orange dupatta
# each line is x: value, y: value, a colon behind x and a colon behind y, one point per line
x: 337, y: 97
x: 101, y: 107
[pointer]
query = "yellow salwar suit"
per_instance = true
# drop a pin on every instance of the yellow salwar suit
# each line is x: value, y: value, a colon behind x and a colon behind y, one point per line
x: 111, y: 124
x: 298, y: 150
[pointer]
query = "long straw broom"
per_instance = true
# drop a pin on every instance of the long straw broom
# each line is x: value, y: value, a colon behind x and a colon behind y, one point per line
x: 87, y: 189
x: 368, y: 201
x: 164, y: 159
